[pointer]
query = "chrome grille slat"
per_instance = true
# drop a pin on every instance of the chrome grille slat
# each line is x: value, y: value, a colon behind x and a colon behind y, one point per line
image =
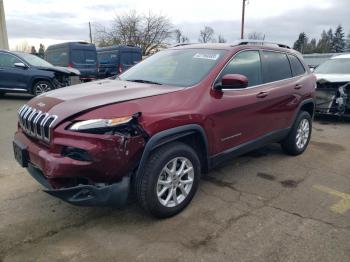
x: 36, y: 123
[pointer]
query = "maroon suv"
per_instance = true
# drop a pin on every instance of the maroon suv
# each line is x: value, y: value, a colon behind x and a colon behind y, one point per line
x: 162, y: 123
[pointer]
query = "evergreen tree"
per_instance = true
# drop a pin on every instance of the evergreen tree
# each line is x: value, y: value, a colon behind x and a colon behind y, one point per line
x: 348, y: 43
x: 301, y: 44
x: 338, y: 41
x: 41, y: 51
x: 330, y: 39
x: 324, y: 44
x: 311, y: 47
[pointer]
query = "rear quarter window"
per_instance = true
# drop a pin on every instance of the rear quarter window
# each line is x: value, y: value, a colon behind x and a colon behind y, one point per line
x: 297, y: 67
x: 275, y: 66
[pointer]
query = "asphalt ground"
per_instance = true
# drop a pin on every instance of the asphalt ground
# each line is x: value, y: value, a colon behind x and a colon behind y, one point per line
x: 264, y: 206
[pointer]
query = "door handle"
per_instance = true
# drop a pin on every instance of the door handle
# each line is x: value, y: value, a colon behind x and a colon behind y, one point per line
x: 298, y: 86
x: 262, y: 95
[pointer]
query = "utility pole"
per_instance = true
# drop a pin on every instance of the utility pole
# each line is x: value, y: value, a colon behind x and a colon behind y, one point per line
x: 90, y: 33
x: 243, y: 14
x: 4, y: 44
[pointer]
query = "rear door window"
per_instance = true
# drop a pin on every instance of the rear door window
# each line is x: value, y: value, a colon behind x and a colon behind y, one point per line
x: 275, y: 66
x: 58, y: 57
x: 83, y: 56
x: 246, y: 63
x: 108, y: 57
x: 297, y: 67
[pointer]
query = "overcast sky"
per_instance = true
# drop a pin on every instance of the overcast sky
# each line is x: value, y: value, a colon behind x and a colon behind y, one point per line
x: 50, y: 21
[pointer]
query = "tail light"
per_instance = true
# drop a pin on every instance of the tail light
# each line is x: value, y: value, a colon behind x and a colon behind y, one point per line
x: 70, y: 66
x: 120, y: 69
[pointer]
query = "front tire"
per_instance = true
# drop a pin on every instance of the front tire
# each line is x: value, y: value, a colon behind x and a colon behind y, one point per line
x: 41, y: 87
x: 169, y: 181
x: 299, y: 136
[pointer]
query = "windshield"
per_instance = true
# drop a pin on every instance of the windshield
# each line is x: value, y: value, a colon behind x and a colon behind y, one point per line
x: 334, y: 66
x: 182, y: 67
x: 34, y: 60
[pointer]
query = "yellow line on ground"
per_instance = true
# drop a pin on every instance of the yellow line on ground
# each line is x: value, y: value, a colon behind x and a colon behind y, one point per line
x: 343, y: 205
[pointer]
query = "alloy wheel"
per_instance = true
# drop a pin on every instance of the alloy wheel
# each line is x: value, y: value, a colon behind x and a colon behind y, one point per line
x: 175, y: 182
x: 41, y: 88
x: 303, y: 133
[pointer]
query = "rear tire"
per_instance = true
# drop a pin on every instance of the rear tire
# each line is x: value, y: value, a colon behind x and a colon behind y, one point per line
x: 41, y: 87
x: 169, y: 180
x: 299, y: 136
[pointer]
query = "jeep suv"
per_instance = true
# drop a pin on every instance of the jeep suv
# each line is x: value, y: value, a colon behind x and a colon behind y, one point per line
x: 160, y: 124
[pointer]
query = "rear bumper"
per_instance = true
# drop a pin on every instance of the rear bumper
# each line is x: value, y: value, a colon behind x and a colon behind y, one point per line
x: 100, y: 194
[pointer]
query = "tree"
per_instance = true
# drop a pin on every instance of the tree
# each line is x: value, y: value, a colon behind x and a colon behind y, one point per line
x: 41, y: 52
x: 338, y: 41
x: 330, y: 39
x: 301, y: 43
x: 179, y: 37
x: 33, y: 50
x: 23, y: 47
x: 324, y: 44
x: 348, y: 43
x: 311, y: 47
x: 221, y: 39
x: 256, y: 36
x: 206, y: 35
x: 149, y: 32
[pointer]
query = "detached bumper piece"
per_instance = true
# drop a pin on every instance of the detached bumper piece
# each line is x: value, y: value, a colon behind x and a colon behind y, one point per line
x: 115, y: 194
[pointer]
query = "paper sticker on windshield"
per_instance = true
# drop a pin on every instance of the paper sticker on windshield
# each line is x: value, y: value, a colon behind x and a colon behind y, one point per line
x: 207, y: 56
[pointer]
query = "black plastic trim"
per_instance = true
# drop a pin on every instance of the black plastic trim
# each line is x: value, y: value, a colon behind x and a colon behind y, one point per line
x: 241, y: 149
x: 115, y: 194
x: 167, y: 136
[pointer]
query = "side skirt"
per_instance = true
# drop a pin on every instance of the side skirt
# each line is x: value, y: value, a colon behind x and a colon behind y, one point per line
x: 228, y: 154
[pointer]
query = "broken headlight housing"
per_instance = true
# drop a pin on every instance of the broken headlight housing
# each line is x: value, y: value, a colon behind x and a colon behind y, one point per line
x: 100, y: 126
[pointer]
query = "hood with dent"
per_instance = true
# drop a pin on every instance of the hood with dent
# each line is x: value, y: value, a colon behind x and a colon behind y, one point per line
x: 72, y: 100
x: 333, y: 78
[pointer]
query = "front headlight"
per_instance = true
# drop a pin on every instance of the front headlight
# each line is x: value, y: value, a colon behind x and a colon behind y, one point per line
x: 96, y: 124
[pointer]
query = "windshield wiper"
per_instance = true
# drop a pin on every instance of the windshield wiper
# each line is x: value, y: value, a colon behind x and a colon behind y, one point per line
x: 144, y: 81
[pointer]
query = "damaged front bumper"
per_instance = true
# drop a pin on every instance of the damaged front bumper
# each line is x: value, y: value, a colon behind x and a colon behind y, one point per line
x: 333, y: 98
x: 100, y: 194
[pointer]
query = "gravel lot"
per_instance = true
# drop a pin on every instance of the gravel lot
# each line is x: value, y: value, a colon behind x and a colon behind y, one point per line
x: 264, y: 206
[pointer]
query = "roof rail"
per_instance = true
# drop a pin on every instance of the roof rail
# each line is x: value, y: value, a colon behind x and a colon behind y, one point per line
x: 260, y: 42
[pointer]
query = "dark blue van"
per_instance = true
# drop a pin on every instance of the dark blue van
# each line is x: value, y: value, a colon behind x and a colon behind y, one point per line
x: 79, y: 55
x: 113, y: 60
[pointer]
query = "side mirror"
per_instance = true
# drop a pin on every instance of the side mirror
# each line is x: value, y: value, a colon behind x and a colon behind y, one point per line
x: 232, y: 81
x: 21, y: 65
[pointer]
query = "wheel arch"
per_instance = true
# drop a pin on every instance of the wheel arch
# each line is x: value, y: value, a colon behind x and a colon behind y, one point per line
x: 192, y: 135
x: 307, y: 105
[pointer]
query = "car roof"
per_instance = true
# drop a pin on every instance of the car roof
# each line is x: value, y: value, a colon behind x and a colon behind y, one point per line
x: 240, y: 45
x: 341, y: 56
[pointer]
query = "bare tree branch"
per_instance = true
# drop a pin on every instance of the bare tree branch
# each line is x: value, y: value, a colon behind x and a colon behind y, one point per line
x: 206, y: 35
x: 256, y: 36
x: 149, y: 32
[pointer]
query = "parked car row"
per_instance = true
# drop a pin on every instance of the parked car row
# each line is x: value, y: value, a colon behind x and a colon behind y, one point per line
x: 22, y: 72
x: 66, y: 64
